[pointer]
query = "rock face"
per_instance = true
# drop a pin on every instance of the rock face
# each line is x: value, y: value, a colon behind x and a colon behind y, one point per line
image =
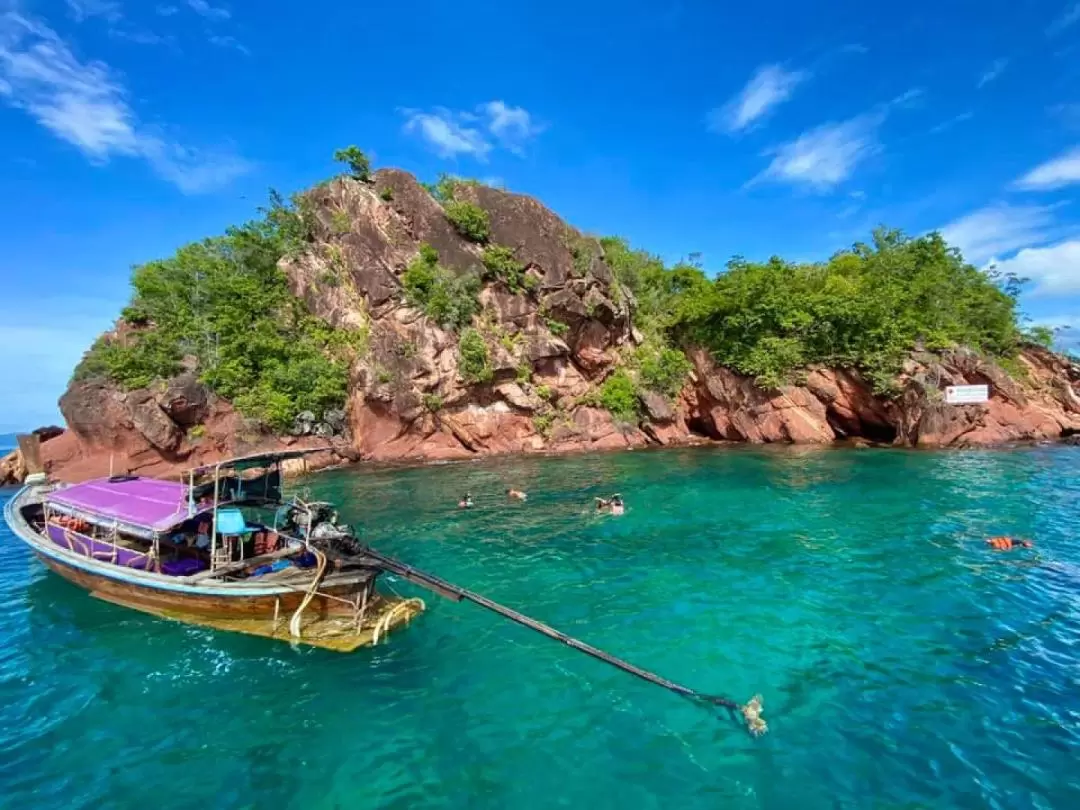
x: 836, y: 404
x: 549, y: 348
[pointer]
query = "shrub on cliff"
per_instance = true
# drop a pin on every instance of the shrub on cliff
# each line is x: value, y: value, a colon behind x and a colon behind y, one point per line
x: 474, y: 362
x: 500, y: 265
x: 662, y: 369
x: 865, y: 307
x: 469, y: 220
x: 618, y: 395
x: 451, y: 301
x: 226, y: 302
x: 356, y: 160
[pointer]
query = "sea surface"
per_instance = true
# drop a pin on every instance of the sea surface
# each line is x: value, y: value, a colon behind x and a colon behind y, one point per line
x: 902, y: 663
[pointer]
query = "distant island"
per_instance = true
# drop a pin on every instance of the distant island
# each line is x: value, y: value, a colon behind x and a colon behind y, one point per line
x: 375, y: 316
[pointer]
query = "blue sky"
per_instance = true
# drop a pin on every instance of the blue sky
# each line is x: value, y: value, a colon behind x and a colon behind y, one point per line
x: 128, y: 128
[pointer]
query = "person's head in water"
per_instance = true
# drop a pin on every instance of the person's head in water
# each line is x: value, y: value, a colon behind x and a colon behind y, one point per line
x: 516, y: 494
x: 466, y: 501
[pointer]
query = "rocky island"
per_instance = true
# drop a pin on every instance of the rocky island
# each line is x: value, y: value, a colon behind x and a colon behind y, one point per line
x: 376, y: 317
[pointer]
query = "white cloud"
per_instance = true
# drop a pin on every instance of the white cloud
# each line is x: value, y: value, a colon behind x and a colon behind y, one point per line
x: 448, y: 133
x: 230, y: 42
x: 1062, y: 171
x: 769, y: 87
x: 950, y: 123
x: 84, y: 104
x: 1052, y: 270
x: 451, y: 133
x: 139, y: 36
x: 511, y: 126
x: 166, y: 11
x: 823, y: 157
x: 204, y: 9
x: 992, y: 72
x: 81, y: 10
x: 1068, y: 17
x: 998, y: 230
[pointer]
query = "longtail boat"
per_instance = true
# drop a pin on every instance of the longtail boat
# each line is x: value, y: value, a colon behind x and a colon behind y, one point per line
x: 221, y: 547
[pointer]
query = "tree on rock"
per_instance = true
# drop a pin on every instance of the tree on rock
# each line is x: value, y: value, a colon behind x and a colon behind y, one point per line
x: 357, y: 161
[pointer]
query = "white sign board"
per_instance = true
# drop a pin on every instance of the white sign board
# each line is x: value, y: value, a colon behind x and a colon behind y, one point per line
x: 967, y: 394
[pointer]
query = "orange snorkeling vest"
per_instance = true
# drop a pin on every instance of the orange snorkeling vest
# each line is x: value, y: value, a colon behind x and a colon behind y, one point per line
x: 1007, y: 543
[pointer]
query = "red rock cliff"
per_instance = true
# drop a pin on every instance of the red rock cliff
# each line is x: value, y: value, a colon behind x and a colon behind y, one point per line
x: 408, y: 399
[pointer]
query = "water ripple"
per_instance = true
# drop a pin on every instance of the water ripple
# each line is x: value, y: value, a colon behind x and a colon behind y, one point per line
x: 903, y: 664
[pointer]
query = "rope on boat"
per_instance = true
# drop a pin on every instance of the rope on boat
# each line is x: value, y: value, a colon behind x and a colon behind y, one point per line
x: 294, y: 622
x: 750, y: 711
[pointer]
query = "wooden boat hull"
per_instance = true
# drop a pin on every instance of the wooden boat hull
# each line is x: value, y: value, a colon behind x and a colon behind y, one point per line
x: 262, y: 607
x: 348, y: 588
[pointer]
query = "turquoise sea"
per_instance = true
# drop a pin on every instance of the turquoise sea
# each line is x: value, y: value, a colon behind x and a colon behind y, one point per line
x: 903, y: 664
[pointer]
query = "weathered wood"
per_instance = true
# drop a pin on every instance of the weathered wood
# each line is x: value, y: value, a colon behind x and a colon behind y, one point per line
x: 344, y: 587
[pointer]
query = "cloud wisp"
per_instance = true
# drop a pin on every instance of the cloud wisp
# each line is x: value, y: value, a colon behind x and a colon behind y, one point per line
x: 494, y: 124
x: 1001, y: 229
x: 825, y: 156
x: 1051, y: 270
x: 822, y: 158
x: 204, y: 9
x: 85, y: 105
x: 108, y: 10
x: 1064, y: 170
x: 767, y: 89
x: 1068, y: 18
x: 992, y: 72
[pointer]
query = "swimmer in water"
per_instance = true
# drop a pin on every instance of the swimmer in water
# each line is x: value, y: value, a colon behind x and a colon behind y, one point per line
x: 613, y: 505
x: 465, y: 502
x: 1007, y: 543
x: 516, y: 495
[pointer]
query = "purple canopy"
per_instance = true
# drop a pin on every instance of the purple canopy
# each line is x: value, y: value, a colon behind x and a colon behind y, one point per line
x: 147, y: 502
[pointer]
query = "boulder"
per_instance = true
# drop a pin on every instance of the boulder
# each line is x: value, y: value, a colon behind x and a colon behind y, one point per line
x: 657, y: 408
x: 184, y: 399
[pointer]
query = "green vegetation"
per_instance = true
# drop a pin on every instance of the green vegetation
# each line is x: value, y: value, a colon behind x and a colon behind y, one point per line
x: 557, y: 328
x: 469, y: 220
x: 356, y: 160
x: 1040, y: 336
x: 226, y: 302
x: 619, y: 395
x: 339, y: 222
x: 446, y: 186
x: 500, y: 265
x: 387, y: 194
x: 475, y: 364
x: 865, y: 307
x: 449, y: 300
x: 432, y: 403
x: 543, y: 422
x: 544, y: 392
x: 662, y: 369
x: 583, y: 250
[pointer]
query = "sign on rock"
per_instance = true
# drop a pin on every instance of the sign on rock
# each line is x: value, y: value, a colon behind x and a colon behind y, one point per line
x: 967, y: 394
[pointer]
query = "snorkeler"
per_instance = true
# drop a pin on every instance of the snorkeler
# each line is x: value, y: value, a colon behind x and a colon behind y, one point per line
x: 516, y: 495
x: 1007, y: 543
x: 614, y: 504
x: 465, y: 502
